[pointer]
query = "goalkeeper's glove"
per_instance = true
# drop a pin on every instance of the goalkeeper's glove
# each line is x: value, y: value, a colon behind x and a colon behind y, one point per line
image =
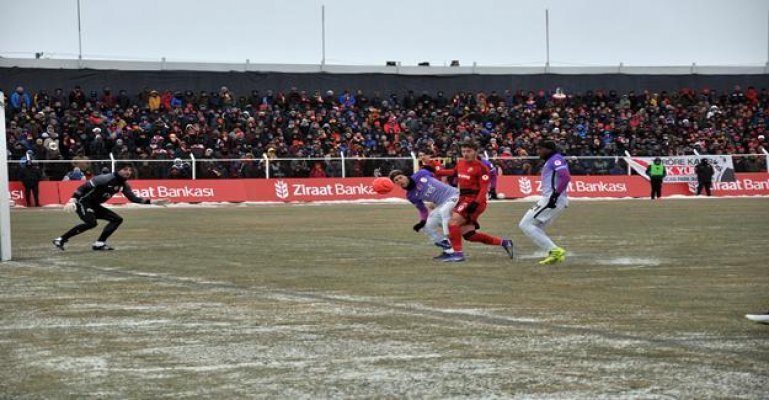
x: 553, y: 200
x: 418, y: 227
x: 71, y: 206
x: 472, y: 207
x: 161, y: 202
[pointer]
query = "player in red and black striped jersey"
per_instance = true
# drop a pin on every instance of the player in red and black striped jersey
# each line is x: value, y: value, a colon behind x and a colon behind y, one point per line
x: 473, y: 180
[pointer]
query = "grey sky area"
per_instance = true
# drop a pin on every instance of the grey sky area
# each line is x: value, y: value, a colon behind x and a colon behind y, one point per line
x: 596, y: 32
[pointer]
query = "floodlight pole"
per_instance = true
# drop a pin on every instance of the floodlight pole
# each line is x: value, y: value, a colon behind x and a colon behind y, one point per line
x: 79, y: 34
x: 323, y: 34
x: 547, y: 40
x: 5, y: 190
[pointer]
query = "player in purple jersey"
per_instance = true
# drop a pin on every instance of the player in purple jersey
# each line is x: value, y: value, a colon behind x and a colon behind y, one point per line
x: 422, y: 187
x: 492, y: 177
x: 555, y: 185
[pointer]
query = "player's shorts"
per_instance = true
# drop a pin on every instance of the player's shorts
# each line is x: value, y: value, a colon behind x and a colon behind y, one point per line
x: 542, y: 215
x: 461, y: 209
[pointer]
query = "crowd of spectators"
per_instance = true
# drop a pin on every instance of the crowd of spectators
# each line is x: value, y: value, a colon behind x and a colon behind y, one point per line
x: 82, y: 125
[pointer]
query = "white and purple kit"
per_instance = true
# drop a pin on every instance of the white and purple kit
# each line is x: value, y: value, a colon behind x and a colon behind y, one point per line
x: 427, y: 188
x: 555, y: 178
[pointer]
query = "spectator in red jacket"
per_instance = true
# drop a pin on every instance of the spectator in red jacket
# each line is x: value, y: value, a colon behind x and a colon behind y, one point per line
x: 317, y: 171
x: 107, y: 100
x: 392, y: 126
x: 165, y: 100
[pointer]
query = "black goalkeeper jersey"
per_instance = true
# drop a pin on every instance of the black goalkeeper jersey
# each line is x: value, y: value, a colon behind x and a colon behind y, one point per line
x: 101, y: 188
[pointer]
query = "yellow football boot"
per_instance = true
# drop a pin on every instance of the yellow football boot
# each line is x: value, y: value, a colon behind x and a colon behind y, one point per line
x: 556, y: 255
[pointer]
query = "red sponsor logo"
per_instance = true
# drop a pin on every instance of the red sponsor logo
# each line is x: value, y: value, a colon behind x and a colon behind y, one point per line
x: 323, y: 189
x: 580, y: 186
x: 297, y: 189
x: 161, y: 191
x: 182, y: 191
x: 524, y: 185
x: 17, y: 195
x: 744, y: 185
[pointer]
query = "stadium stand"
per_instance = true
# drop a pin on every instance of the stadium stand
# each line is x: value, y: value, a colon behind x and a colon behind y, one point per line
x: 156, y: 124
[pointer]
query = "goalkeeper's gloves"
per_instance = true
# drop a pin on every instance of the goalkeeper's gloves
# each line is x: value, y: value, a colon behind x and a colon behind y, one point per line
x: 472, y: 207
x: 418, y: 227
x: 161, y: 202
x: 553, y: 200
x: 71, y: 206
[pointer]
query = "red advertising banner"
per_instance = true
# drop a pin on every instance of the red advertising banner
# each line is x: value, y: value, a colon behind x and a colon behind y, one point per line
x: 339, y: 189
x: 178, y: 191
x: 580, y: 186
x: 314, y: 189
x: 744, y: 184
x: 49, y: 193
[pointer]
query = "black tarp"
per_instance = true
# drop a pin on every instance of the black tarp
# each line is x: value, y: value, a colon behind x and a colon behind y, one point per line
x: 242, y: 83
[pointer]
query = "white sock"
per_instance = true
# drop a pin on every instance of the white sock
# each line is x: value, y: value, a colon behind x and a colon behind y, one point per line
x: 98, y: 243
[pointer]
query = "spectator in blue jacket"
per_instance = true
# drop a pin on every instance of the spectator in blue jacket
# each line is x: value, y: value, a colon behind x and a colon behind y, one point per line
x: 347, y: 100
x: 177, y: 101
x: 20, y: 99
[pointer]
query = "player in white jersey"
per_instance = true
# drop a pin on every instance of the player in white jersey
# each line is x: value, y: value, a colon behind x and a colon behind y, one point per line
x: 555, y: 185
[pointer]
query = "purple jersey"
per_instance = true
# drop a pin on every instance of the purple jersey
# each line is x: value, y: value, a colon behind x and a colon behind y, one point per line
x: 555, y: 176
x: 492, y: 173
x: 427, y: 188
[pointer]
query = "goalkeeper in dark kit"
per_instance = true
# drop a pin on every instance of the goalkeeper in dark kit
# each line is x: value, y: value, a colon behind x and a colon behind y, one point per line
x: 87, y: 203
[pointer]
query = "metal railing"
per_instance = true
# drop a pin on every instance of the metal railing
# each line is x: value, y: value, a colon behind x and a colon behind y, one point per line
x: 339, y: 167
x: 210, y: 168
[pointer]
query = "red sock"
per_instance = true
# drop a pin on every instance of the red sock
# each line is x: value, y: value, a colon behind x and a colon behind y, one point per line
x: 455, y: 235
x: 485, y: 239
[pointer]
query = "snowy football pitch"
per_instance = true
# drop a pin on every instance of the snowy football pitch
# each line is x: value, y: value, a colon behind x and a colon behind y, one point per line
x: 339, y: 301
